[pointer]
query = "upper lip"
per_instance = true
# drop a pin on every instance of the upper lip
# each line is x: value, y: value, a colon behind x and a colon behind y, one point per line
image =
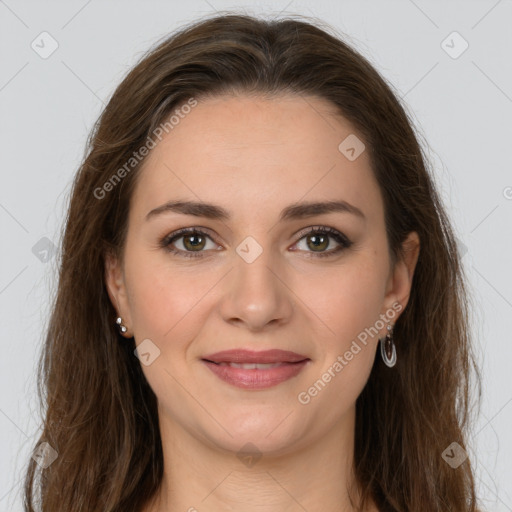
x: 249, y: 356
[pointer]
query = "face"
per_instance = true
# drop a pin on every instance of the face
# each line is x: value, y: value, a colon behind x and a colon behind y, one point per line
x: 317, y: 283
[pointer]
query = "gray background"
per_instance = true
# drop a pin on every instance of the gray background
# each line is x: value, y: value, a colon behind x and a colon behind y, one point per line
x: 462, y: 105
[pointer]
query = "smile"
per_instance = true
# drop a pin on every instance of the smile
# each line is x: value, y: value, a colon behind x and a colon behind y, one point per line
x: 256, y: 375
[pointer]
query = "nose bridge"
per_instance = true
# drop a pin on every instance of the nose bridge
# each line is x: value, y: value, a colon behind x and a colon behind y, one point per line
x: 254, y: 265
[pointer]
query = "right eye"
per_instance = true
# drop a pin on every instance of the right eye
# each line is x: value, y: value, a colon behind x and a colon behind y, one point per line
x: 193, y: 242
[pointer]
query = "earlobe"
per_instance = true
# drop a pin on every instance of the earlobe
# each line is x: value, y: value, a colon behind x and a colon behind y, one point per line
x: 116, y: 288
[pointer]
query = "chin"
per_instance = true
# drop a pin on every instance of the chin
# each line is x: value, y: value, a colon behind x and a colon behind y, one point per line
x: 259, y: 433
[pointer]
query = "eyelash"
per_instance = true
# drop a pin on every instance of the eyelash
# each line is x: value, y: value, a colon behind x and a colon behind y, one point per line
x: 344, y: 242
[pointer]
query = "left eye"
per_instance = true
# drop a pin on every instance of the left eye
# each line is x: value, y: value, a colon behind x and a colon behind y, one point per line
x: 318, y: 238
x: 193, y: 241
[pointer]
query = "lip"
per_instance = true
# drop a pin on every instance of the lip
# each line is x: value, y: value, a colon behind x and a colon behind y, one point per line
x: 250, y: 356
x: 288, y: 365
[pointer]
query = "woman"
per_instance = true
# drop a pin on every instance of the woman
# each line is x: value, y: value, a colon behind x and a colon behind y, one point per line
x: 260, y: 304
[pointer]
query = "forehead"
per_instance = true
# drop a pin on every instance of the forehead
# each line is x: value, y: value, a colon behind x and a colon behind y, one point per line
x: 250, y: 152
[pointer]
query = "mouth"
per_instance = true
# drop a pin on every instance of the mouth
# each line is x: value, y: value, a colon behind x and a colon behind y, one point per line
x: 255, y: 370
x: 242, y: 356
x: 250, y: 366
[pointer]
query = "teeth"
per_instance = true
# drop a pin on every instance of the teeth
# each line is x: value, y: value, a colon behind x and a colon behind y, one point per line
x: 252, y: 366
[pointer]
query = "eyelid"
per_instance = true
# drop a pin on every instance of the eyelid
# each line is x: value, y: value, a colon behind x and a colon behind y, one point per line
x: 319, y: 227
x: 342, y: 240
x: 179, y: 233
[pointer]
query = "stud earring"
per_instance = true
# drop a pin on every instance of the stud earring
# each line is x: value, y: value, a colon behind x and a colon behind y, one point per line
x: 122, y: 328
x: 388, y: 349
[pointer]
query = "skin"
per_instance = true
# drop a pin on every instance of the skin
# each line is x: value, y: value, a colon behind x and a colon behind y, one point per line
x: 254, y: 156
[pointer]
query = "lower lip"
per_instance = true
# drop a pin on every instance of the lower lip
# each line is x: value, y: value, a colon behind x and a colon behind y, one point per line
x: 256, y: 379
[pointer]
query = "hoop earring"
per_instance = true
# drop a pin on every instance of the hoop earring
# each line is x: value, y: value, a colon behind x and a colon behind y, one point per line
x: 388, y: 349
x: 119, y: 322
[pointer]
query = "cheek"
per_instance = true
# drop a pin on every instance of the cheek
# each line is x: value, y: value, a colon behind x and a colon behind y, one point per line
x: 345, y: 311
x: 163, y: 300
x: 345, y: 300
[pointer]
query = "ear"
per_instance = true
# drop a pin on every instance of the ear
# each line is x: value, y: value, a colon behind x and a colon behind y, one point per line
x: 400, y: 281
x: 116, y: 288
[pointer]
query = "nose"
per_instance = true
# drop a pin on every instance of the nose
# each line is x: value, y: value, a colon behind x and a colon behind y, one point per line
x: 255, y: 294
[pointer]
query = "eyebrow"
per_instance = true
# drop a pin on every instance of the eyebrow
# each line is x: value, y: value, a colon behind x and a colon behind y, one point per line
x: 294, y: 211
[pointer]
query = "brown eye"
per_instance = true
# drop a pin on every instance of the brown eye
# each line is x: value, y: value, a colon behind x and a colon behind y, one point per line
x: 193, y: 242
x: 318, y: 240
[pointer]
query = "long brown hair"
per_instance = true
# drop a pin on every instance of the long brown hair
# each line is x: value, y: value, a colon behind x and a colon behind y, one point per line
x: 100, y: 413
